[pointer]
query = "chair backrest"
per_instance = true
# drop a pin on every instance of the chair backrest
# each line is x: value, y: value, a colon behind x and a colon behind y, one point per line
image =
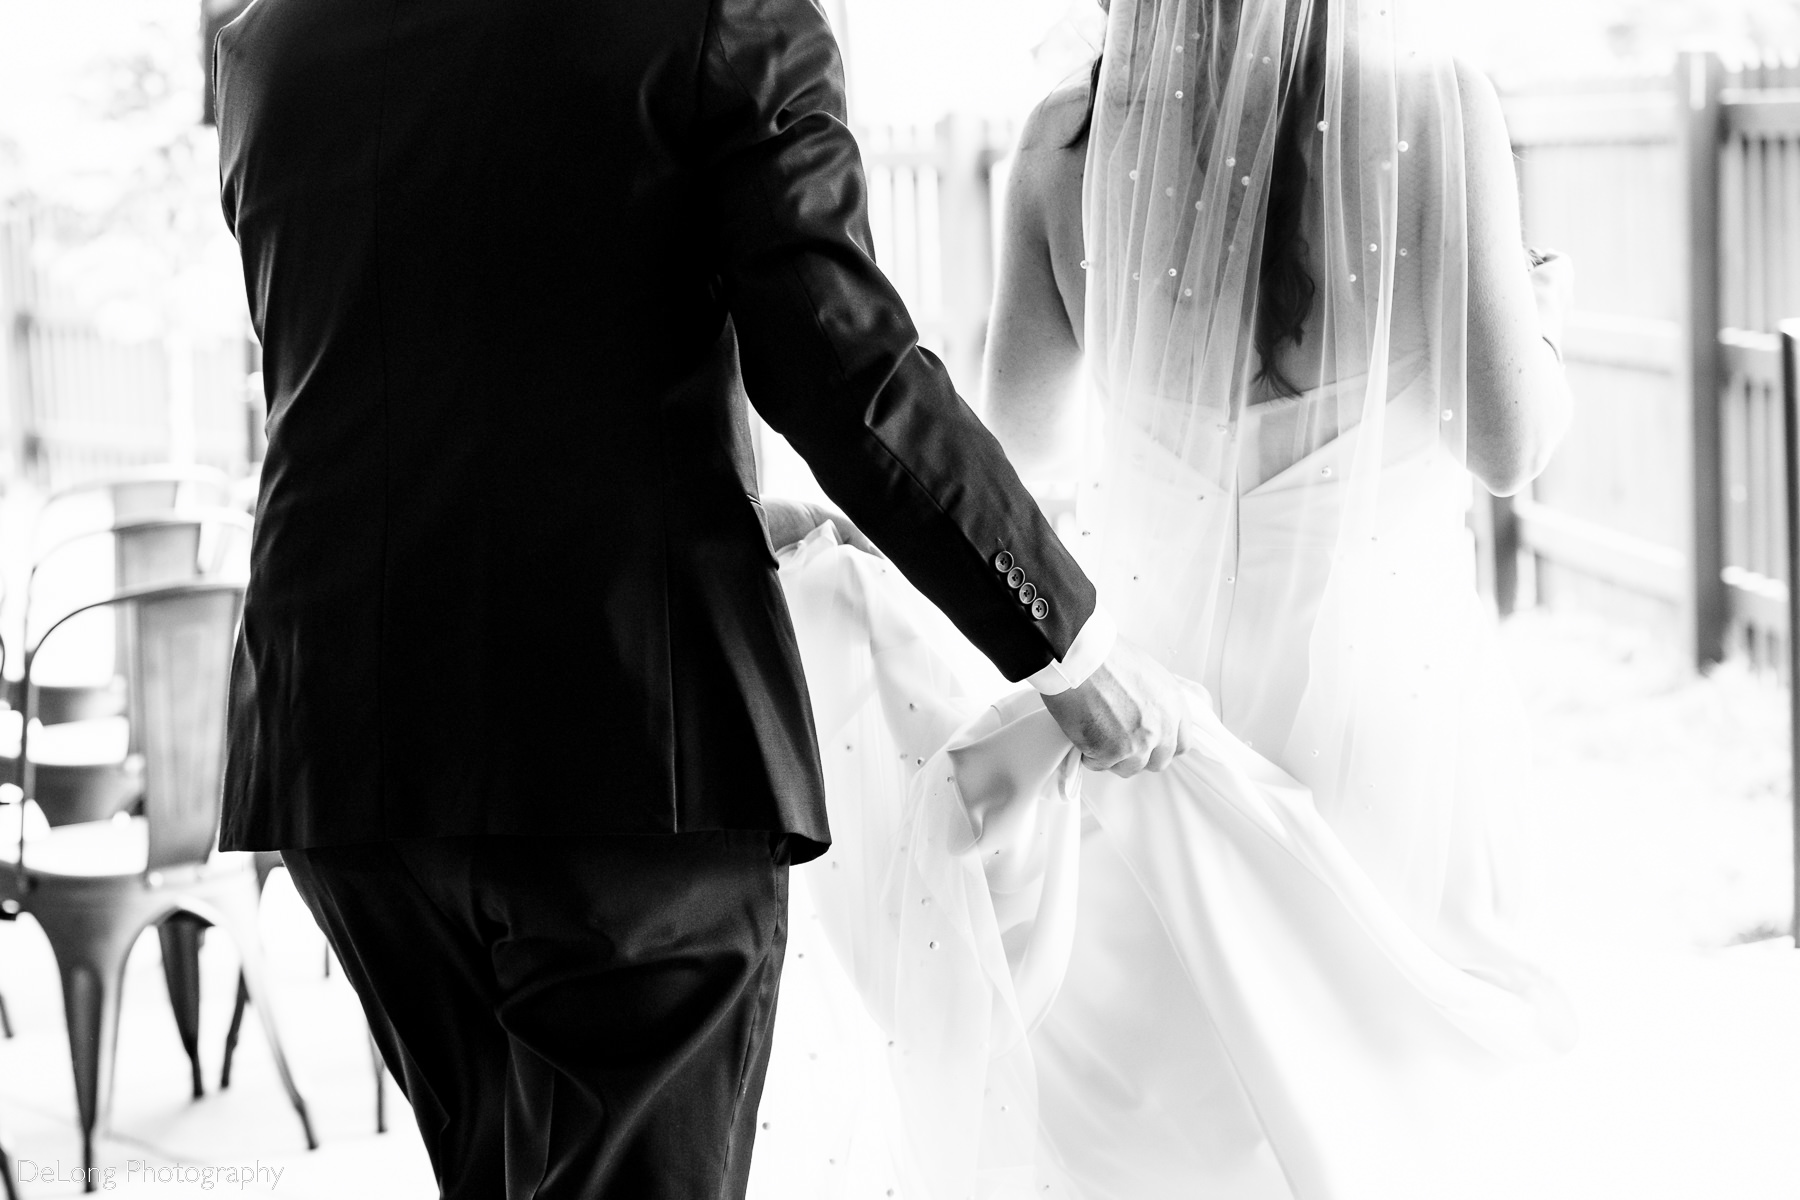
x: 156, y: 550
x: 181, y: 682
x: 152, y: 487
x: 178, y: 670
x: 148, y: 550
x: 104, y: 501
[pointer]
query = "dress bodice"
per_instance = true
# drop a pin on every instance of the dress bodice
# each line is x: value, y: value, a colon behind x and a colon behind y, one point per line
x: 1286, y: 537
x: 1222, y: 574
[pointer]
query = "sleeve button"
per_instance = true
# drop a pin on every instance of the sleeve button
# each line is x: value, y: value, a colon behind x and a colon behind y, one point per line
x: 1015, y: 577
x: 1040, y: 609
x: 1028, y: 593
x: 1003, y: 561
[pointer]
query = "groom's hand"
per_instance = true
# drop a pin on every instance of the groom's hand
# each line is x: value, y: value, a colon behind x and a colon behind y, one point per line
x: 1129, y: 716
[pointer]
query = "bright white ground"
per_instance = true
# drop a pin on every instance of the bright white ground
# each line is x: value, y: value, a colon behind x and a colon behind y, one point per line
x: 251, y: 1124
x: 1667, y: 851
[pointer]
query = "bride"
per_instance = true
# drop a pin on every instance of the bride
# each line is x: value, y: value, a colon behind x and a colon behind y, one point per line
x: 1262, y: 296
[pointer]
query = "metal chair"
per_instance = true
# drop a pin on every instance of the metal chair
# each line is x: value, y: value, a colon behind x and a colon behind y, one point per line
x: 158, y: 524
x: 135, y: 549
x: 104, y: 501
x: 266, y: 861
x: 144, y: 550
x: 93, y: 886
x: 138, y: 549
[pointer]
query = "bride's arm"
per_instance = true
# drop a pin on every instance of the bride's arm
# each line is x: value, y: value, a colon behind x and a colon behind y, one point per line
x: 1033, y: 356
x: 1519, y: 405
x: 788, y: 521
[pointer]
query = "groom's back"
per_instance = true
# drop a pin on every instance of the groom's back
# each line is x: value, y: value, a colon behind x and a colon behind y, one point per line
x: 507, y: 577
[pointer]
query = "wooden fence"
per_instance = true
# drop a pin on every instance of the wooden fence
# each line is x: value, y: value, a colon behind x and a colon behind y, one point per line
x: 91, y: 405
x: 1678, y: 197
x: 1759, y: 288
x: 77, y: 403
x: 933, y: 212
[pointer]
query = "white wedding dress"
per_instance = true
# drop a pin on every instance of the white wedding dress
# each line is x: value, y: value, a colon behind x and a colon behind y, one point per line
x: 1285, y: 967
x: 1228, y: 984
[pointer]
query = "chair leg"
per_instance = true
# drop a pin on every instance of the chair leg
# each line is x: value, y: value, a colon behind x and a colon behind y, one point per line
x: 240, y: 921
x: 231, y: 1034
x: 231, y: 1041
x: 380, y: 1086
x: 6, y: 1173
x: 266, y: 862
x: 181, y: 936
x: 6, y: 1029
x: 93, y: 973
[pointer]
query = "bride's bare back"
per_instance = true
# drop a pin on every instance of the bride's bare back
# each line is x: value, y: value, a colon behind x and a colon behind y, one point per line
x: 1518, y: 399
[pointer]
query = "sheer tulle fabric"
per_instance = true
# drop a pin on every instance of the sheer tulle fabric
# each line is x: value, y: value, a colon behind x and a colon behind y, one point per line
x: 1280, y: 968
x: 1011, y: 979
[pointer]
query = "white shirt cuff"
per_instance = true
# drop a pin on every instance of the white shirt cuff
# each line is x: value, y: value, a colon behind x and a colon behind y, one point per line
x: 1086, y: 653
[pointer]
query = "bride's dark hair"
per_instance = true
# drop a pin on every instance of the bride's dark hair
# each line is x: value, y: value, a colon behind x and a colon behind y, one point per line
x: 1285, y: 289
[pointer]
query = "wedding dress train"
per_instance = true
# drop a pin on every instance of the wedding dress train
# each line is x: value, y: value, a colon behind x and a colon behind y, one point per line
x: 1281, y: 968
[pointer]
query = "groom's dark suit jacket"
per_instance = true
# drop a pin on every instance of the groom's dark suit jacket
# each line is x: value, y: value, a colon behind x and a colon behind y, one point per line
x: 515, y: 269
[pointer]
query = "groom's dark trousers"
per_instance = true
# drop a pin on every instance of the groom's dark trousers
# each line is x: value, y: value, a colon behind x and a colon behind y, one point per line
x: 556, y: 1037
x: 516, y: 688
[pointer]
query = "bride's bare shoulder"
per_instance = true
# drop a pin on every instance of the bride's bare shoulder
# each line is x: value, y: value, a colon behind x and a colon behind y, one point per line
x: 1047, y: 165
x: 1055, y: 125
x: 1480, y: 101
x: 1441, y: 99
x: 1441, y: 84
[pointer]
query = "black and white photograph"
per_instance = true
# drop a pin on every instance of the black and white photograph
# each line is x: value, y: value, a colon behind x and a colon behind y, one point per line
x: 900, y: 599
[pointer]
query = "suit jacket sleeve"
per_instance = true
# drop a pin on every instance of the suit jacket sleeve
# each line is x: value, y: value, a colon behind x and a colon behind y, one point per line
x: 831, y: 359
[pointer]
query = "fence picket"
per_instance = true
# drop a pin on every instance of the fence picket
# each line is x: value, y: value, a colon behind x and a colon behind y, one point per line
x: 79, y: 403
